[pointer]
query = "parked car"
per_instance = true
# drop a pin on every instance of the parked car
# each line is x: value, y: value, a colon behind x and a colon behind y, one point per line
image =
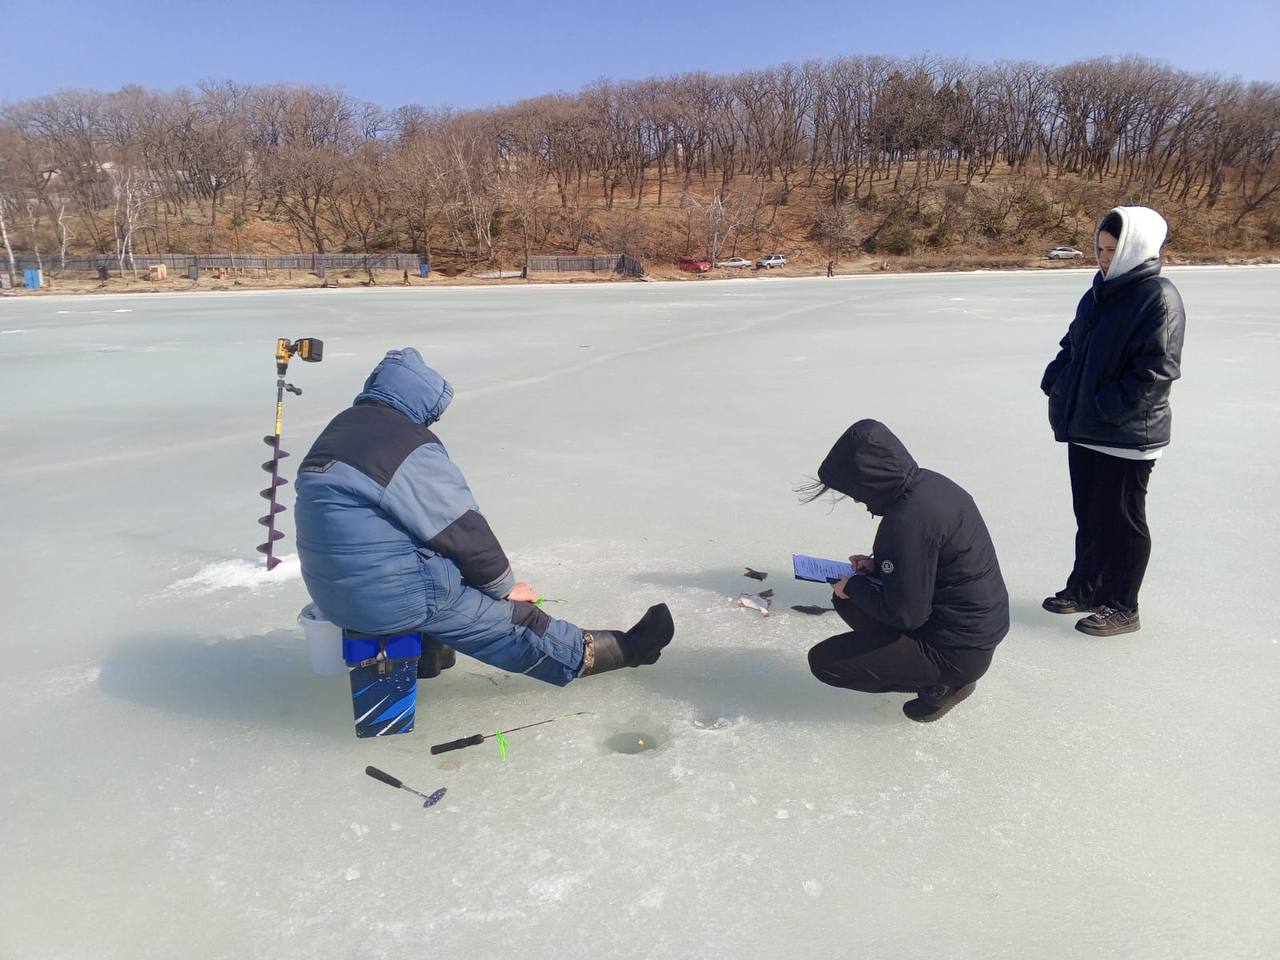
x: 740, y: 263
x: 771, y: 261
x: 693, y: 264
x: 1065, y: 253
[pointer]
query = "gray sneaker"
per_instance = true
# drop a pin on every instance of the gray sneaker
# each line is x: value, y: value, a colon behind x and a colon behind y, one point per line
x: 1063, y: 602
x: 1109, y: 622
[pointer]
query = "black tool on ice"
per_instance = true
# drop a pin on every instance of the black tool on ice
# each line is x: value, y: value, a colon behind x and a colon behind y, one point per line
x: 755, y: 574
x: 312, y: 351
x: 480, y: 738
x: 389, y: 780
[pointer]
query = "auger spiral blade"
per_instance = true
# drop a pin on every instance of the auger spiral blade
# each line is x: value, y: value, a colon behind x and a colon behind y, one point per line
x: 273, y: 536
x: 269, y: 494
x: 310, y: 350
x: 270, y: 519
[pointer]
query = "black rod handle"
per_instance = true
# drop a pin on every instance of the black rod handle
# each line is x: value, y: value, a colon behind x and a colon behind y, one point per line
x: 458, y: 744
x: 386, y: 778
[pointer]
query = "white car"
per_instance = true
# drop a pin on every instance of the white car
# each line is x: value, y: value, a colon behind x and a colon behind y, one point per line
x: 738, y: 262
x: 1065, y: 253
x: 771, y: 261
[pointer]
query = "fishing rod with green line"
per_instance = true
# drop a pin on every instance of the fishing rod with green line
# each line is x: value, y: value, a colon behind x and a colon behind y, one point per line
x: 500, y: 735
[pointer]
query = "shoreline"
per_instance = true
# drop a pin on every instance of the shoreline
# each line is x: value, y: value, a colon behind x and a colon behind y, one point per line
x: 186, y: 288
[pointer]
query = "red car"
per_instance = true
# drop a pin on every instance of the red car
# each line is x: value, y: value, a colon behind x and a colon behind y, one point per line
x: 693, y: 264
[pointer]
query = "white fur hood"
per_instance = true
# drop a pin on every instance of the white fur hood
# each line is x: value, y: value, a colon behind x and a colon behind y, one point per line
x: 1141, y: 237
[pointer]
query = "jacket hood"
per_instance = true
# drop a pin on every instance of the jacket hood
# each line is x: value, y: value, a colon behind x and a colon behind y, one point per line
x: 404, y: 382
x: 869, y: 464
x: 1142, y: 234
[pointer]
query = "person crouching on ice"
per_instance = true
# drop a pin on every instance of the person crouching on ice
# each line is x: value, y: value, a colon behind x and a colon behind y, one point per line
x: 928, y: 607
x: 391, y: 540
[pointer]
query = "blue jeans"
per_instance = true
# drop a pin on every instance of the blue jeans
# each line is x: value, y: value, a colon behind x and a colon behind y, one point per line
x: 513, y: 636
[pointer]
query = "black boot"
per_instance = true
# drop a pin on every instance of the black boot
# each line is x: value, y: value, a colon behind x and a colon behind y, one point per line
x: 435, y: 658
x: 604, y: 650
x: 933, y: 703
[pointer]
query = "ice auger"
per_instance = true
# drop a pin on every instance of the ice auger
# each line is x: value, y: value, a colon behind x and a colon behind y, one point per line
x: 312, y: 351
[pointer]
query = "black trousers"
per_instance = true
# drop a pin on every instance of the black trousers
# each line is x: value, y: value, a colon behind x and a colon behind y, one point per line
x: 876, y: 658
x: 1113, y: 543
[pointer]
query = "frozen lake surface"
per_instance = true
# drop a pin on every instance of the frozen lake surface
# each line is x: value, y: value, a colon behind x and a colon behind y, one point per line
x: 177, y: 784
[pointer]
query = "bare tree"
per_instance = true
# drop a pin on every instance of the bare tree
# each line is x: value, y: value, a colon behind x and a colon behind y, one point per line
x: 521, y: 182
x: 32, y: 209
x: 132, y: 192
x: 4, y: 238
x: 718, y: 221
x: 362, y: 205
x: 64, y: 233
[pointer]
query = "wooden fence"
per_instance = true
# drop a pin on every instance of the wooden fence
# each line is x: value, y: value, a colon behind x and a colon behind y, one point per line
x: 600, y: 263
x: 236, y: 262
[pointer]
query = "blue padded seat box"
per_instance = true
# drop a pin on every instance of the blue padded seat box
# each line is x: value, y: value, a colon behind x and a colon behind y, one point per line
x: 384, y: 681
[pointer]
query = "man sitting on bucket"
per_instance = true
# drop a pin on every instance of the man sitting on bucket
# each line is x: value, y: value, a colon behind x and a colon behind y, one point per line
x: 391, y: 541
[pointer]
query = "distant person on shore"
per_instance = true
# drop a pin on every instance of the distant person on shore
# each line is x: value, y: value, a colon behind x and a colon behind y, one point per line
x: 929, y: 606
x: 1108, y: 391
x: 391, y: 540
x: 831, y: 268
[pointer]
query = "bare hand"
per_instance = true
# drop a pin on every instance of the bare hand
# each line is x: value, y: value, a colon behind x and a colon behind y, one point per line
x: 522, y: 591
x: 838, y: 588
x: 862, y: 564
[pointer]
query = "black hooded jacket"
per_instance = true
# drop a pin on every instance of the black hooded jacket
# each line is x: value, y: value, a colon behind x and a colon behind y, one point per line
x: 1109, y: 384
x: 937, y: 578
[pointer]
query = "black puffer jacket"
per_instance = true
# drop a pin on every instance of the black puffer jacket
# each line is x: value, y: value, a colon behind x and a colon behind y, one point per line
x: 937, y: 577
x: 1109, y: 384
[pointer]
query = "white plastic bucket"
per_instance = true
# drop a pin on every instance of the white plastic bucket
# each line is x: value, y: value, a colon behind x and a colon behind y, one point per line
x: 324, y: 642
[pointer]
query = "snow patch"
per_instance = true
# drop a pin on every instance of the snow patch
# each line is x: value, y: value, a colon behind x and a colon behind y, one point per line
x: 249, y: 575
x: 554, y: 889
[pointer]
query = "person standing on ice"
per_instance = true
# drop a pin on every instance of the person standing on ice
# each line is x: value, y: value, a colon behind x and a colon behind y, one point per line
x: 391, y: 540
x: 1108, y: 391
x: 929, y: 606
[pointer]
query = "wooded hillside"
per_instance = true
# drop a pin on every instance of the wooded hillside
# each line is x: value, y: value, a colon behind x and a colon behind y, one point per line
x: 823, y: 159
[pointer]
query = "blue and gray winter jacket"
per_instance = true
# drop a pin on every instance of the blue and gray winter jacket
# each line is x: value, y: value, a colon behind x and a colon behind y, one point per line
x: 379, y: 499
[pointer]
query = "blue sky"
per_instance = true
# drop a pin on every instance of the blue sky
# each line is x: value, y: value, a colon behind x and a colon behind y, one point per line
x: 470, y: 54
